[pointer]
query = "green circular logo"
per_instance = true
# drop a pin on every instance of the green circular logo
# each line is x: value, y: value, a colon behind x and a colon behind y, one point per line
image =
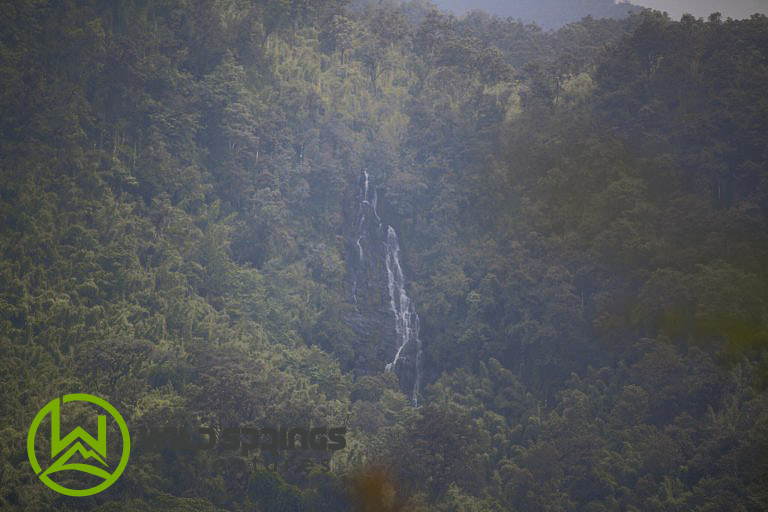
x: 78, y: 442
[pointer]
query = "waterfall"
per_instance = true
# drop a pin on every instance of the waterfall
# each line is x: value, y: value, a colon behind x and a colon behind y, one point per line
x: 361, y: 223
x: 406, y: 318
x: 402, y: 308
x: 362, y: 206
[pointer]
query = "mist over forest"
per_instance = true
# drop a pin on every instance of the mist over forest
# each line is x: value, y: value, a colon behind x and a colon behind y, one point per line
x: 556, y: 13
x: 513, y: 269
x: 549, y: 14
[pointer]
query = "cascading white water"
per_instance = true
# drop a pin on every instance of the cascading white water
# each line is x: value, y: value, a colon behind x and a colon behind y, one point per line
x: 361, y: 227
x: 402, y: 307
x: 361, y: 224
x: 375, y: 200
x: 406, y: 318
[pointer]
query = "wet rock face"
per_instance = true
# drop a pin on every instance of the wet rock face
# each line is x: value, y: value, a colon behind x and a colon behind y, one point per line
x: 383, y: 317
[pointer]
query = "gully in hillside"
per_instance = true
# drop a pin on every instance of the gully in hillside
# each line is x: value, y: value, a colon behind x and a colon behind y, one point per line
x: 400, y: 304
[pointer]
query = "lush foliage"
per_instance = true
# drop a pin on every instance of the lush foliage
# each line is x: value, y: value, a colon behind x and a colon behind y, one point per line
x: 583, y: 215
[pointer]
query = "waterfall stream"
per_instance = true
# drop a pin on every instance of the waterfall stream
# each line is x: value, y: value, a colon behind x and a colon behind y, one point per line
x: 406, y: 320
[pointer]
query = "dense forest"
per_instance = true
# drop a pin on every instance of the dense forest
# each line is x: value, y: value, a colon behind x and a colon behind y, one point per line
x: 583, y: 226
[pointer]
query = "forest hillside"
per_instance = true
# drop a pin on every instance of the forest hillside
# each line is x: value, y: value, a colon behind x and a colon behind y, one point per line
x: 210, y: 211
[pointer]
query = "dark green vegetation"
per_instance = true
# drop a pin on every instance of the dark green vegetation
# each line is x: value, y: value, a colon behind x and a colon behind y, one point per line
x: 583, y: 216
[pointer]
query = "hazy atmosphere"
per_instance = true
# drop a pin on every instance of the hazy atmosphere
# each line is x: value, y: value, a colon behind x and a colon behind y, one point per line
x: 728, y: 8
x: 368, y: 256
x: 555, y: 12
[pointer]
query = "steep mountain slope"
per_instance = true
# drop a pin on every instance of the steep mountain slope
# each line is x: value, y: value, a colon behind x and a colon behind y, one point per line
x: 579, y: 220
